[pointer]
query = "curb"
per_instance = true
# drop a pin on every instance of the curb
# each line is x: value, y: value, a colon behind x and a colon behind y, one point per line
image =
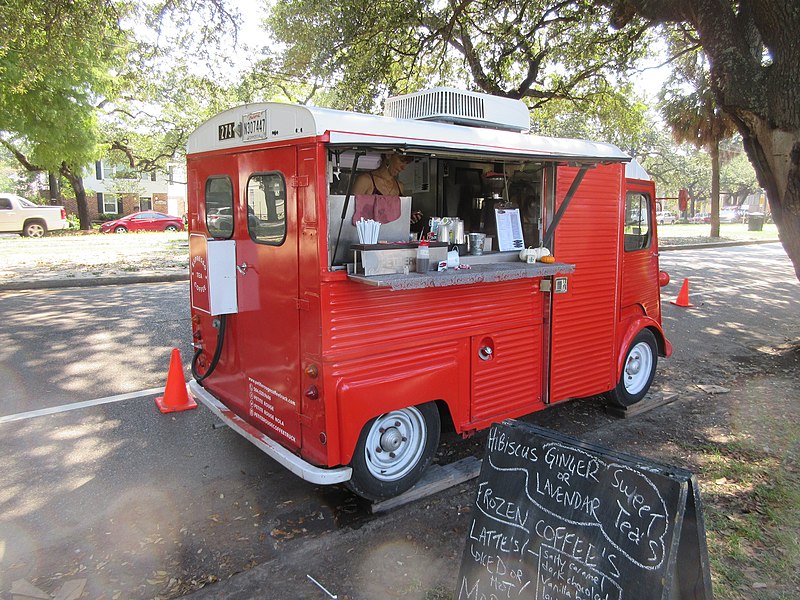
x: 15, y: 286
x: 46, y: 284
x: 716, y: 245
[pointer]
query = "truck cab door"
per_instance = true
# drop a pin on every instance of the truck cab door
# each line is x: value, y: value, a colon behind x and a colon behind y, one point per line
x: 639, y: 290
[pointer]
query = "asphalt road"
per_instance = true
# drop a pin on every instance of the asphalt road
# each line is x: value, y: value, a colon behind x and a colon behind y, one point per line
x: 67, y: 345
x: 141, y: 504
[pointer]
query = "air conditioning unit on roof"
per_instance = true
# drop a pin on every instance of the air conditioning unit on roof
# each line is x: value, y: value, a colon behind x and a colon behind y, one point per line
x: 450, y: 105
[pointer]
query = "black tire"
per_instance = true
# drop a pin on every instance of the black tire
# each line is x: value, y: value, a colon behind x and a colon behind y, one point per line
x: 34, y: 229
x: 120, y: 229
x: 171, y: 228
x: 637, y: 374
x: 407, y: 438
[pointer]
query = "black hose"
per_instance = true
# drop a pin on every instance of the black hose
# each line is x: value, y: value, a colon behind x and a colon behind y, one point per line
x: 217, y: 352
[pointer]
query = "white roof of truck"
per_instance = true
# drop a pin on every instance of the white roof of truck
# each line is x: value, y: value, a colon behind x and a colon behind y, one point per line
x: 254, y: 124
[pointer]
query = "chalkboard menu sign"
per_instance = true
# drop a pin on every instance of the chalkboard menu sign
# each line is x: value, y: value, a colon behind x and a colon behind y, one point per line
x: 556, y: 518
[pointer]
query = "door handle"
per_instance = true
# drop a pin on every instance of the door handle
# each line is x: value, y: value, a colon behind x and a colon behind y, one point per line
x: 242, y: 268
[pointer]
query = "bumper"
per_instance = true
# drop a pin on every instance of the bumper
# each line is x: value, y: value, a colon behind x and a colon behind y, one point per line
x: 271, y: 448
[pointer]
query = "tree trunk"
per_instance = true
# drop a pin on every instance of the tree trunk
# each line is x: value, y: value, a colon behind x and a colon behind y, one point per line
x: 714, y: 152
x: 80, y: 197
x: 775, y: 155
x: 55, y: 188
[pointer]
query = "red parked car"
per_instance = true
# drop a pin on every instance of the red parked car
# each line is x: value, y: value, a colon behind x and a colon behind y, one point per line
x: 143, y: 221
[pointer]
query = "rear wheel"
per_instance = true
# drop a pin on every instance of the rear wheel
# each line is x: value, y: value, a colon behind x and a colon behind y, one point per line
x: 34, y: 229
x: 171, y: 228
x: 394, y: 450
x: 120, y: 229
x: 638, y: 372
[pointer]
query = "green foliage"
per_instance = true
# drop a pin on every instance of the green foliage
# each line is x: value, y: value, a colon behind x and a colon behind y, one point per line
x: 360, y: 51
x: 73, y: 223
x: 55, y: 65
x: 612, y: 115
x: 738, y: 178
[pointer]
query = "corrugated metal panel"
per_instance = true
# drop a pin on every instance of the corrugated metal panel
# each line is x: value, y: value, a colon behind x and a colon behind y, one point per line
x: 584, y: 320
x: 363, y: 317
x: 512, y: 378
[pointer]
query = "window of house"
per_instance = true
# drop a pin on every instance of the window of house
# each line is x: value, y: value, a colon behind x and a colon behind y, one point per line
x: 638, y: 230
x: 107, y: 203
x: 219, y: 207
x: 145, y: 203
x: 266, y: 208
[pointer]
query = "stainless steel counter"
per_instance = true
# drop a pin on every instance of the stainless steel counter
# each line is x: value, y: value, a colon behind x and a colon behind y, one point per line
x: 477, y: 273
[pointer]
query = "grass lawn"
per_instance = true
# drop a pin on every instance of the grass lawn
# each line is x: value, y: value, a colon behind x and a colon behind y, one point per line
x: 91, y: 255
x: 729, y: 232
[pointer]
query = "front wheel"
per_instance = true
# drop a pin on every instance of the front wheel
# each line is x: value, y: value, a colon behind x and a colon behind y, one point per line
x: 171, y: 228
x: 120, y: 229
x: 638, y: 372
x: 394, y: 450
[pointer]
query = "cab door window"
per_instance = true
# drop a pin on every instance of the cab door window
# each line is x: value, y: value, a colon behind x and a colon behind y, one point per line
x: 638, y: 229
x: 266, y: 208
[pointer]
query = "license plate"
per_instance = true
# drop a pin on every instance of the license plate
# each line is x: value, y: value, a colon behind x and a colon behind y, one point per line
x: 254, y: 126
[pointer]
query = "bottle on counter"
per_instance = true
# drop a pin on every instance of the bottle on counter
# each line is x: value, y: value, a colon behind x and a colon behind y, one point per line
x: 423, y: 257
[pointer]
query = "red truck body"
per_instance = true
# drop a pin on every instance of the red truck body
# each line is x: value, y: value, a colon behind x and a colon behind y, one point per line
x: 323, y: 367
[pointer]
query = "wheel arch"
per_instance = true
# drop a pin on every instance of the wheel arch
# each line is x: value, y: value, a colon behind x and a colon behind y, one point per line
x: 31, y: 220
x: 631, y: 329
x: 360, y: 402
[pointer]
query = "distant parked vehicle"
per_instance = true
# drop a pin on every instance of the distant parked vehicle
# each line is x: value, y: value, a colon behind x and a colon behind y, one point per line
x: 729, y: 215
x: 143, y: 221
x: 702, y: 217
x: 18, y: 215
x: 664, y: 217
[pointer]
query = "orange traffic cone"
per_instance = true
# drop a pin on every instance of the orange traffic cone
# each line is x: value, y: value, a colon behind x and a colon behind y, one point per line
x: 176, y: 396
x: 683, y: 296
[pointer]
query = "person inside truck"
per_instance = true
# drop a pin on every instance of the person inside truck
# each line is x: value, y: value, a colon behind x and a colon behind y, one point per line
x: 383, y: 180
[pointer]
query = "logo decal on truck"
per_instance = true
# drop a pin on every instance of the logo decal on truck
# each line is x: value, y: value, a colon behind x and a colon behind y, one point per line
x: 262, y: 407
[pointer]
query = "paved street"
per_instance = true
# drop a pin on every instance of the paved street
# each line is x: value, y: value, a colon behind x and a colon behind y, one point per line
x: 142, y: 504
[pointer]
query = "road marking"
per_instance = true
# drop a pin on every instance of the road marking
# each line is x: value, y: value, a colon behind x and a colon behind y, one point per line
x: 78, y: 405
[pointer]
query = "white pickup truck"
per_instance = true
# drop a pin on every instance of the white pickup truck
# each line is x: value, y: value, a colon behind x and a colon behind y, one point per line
x: 18, y: 215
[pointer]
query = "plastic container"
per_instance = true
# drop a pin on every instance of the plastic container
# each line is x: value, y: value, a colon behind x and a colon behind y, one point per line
x: 755, y: 222
x: 423, y: 257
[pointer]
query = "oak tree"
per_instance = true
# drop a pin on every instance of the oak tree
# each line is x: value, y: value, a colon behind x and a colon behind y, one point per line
x: 754, y: 61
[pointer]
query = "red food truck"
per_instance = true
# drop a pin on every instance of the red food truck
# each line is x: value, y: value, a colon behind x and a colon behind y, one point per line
x: 340, y: 361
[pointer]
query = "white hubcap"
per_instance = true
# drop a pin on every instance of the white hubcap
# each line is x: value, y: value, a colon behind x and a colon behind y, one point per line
x: 395, y: 444
x: 637, y: 368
